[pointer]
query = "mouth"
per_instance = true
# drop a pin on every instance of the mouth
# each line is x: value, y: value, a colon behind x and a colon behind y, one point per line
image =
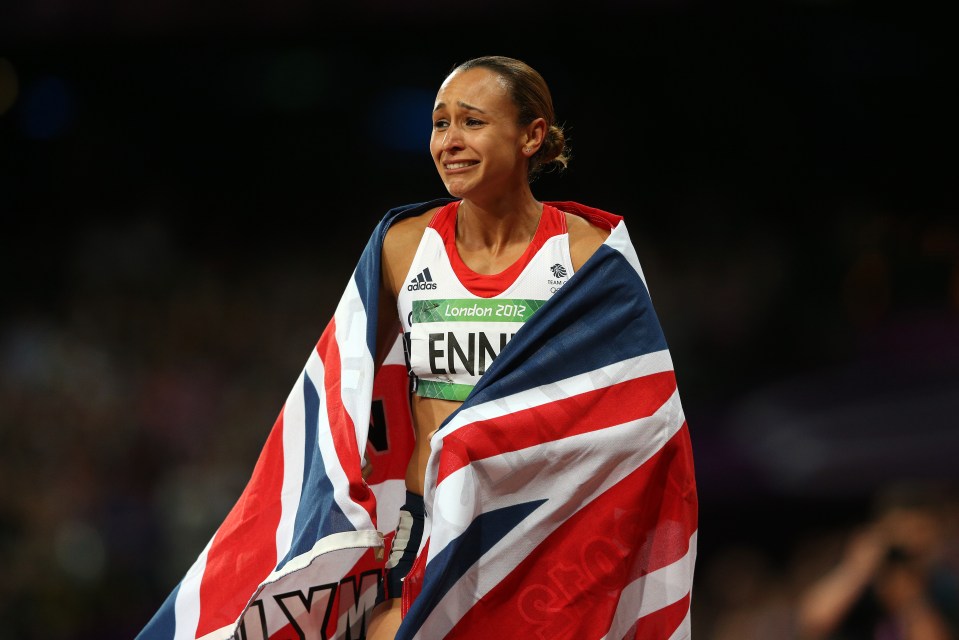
x: 458, y: 165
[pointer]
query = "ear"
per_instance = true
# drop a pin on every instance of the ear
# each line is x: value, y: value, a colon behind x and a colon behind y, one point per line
x: 533, y: 136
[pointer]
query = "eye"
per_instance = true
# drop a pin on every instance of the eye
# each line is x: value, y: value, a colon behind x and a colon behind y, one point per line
x: 473, y: 122
x: 440, y: 124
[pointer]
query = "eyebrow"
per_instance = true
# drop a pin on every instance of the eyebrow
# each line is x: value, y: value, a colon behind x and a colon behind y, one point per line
x: 460, y: 103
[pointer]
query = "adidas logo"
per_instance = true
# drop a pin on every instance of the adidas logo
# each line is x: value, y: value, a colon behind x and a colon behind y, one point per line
x: 422, y: 282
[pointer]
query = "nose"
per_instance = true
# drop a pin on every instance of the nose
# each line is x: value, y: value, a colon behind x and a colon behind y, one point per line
x: 451, y: 138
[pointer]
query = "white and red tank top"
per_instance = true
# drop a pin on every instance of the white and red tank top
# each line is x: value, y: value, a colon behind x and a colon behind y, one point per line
x: 456, y: 321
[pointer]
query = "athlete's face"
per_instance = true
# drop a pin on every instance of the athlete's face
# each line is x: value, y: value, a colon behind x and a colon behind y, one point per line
x: 476, y: 141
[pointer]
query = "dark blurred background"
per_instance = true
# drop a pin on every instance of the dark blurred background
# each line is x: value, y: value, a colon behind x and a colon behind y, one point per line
x: 186, y: 187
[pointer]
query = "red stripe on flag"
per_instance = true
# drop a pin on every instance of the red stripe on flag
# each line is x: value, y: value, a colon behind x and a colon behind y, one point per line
x: 569, y: 586
x: 237, y: 562
x: 390, y: 388
x: 582, y: 413
x: 342, y: 430
x: 662, y: 623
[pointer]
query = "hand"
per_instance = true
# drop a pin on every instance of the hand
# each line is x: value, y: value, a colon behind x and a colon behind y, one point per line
x: 866, y: 551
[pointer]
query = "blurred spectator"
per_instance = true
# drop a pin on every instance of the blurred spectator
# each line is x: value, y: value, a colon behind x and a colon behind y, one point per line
x: 895, y: 578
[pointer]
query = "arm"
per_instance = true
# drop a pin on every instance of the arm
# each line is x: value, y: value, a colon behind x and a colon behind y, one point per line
x: 387, y: 325
x: 385, y: 621
x: 825, y: 603
x: 399, y: 247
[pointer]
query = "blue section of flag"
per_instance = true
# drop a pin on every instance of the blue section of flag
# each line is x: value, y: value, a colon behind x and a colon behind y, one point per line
x: 163, y: 623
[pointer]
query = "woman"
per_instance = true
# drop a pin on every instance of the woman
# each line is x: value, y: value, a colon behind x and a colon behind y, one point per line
x: 494, y: 130
x: 550, y: 491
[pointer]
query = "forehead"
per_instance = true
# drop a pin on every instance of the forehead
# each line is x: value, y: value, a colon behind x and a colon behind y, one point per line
x: 478, y: 87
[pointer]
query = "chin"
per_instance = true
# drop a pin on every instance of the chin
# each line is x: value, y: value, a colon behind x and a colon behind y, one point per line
x: 456, y: 190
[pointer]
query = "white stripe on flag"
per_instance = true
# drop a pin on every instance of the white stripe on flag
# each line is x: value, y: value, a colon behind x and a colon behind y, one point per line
x: 187, y: 605
x: 654, y: 591
x: 619, y: 240
x: 629, y: 369
x: 293, y: 445
x: 356, y: 361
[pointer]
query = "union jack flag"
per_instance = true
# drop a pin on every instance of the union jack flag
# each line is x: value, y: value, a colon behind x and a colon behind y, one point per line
x: 561, y: 500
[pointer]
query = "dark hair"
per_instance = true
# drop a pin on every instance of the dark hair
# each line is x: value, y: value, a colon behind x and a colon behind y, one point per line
x: 531, y: 95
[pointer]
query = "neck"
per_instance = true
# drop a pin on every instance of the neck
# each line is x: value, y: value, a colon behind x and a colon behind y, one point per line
x: 497, y: 226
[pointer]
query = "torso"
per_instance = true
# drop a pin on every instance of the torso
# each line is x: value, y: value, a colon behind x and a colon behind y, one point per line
x: 560, y: 245
x: 456, y: 321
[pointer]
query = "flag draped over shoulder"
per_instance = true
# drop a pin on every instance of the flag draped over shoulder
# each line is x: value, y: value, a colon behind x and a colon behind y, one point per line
x: 561, y: 500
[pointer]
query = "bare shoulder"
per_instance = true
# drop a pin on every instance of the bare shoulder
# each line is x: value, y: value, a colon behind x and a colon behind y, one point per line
x: 399, y: 246
x: 404, y: 235
x: 584, y: 239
